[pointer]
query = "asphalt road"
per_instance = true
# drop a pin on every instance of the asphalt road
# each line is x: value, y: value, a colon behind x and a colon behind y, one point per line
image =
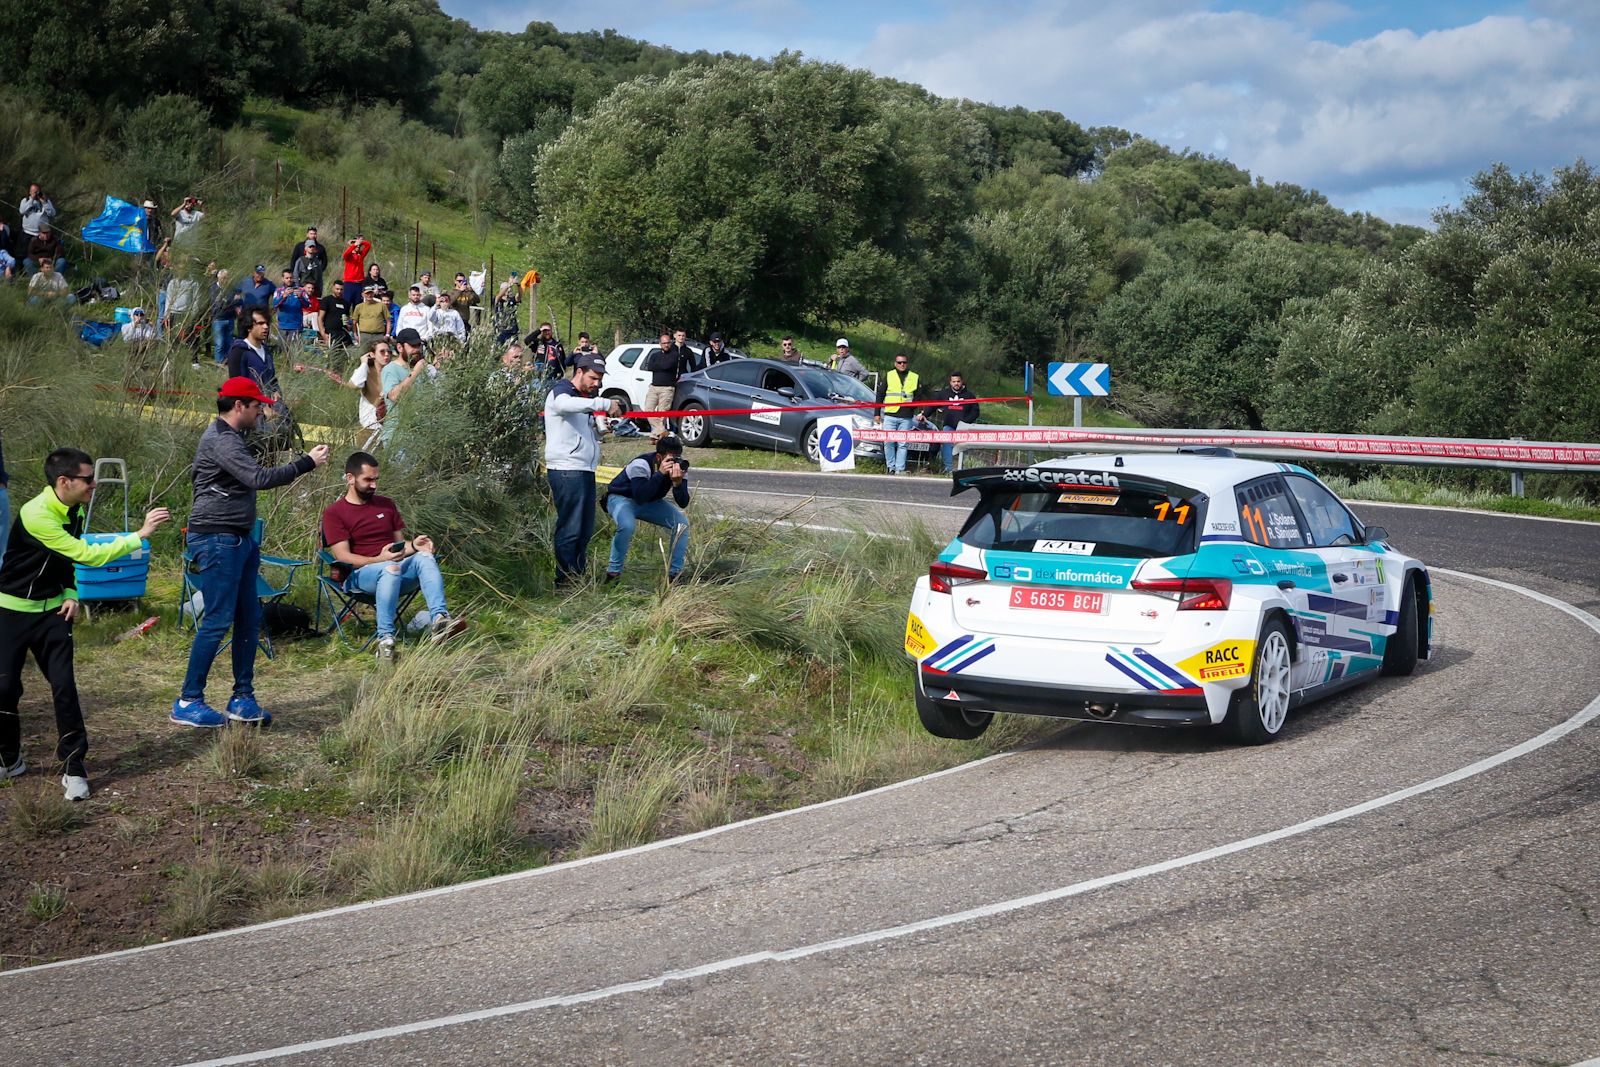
x: 1394, y: 881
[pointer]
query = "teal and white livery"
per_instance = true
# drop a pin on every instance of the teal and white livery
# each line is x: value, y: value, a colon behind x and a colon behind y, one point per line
x: 1194, y: 589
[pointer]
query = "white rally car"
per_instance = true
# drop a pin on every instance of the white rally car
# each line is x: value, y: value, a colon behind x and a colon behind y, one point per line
x: 1190, y: 589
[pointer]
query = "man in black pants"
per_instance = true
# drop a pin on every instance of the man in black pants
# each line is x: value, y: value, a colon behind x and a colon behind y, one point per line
x: 39, y: 601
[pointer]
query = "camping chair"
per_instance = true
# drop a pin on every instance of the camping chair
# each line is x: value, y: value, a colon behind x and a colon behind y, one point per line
x: 269, y: 591
x: 345, y: 606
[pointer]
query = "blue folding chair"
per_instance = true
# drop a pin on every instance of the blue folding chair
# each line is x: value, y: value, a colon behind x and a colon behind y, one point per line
x: 346, y: 606
x: 268, y: 590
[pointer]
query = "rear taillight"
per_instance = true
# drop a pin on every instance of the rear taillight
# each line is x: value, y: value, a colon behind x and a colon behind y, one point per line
x: 1194, y: 594
x: 942, y: 577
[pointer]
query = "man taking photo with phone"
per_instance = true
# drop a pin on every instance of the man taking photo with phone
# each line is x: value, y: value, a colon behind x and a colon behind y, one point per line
x: 365, y: 534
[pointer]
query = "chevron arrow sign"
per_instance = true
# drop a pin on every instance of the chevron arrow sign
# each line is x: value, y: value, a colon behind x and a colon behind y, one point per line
x: 1080, y: 379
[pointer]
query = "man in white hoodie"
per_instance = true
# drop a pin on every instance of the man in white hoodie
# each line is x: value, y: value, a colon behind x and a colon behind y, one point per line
x: 571, y: 453
x: 414, y: 315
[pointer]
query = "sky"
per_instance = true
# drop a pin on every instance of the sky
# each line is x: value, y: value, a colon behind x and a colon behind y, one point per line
x: 1384, y: 107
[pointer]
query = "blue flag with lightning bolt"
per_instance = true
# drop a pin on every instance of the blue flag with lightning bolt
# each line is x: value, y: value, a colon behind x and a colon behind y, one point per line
x: 121, y: 226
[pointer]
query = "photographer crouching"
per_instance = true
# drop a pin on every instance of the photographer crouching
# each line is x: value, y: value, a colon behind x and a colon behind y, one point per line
x: 640, y: 492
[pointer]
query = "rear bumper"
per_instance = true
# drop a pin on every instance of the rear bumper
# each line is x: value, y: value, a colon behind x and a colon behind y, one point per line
x: 1066, y: 702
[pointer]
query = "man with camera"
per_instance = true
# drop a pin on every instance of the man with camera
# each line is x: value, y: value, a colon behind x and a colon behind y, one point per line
x: 640, y: 492
x: 37, y: 210
x: 364, y: 533
x: 355, y: 268
x: 186, y: 216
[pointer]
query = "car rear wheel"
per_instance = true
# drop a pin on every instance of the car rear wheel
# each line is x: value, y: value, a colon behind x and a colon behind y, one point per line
x: 949, y: 719
x: 811, y: 442
x: 694, y: 430
x: 1400, y: 653
x: 1260, y: 708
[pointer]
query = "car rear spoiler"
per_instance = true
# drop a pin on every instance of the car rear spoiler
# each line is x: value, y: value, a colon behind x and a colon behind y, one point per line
x: 994, y: 479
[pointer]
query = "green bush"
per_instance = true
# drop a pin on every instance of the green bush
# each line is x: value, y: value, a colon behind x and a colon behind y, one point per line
x: 166, y: 146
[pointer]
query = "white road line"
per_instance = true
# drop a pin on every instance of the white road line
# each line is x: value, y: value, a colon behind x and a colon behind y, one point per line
x: 846, y: 499
x: 1471, y: 511
x: 986, y: 911
x: 808, y: 526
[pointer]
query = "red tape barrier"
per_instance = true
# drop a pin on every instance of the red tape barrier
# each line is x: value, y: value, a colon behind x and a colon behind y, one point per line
x: 819, y: 407
x: 1377, y: 447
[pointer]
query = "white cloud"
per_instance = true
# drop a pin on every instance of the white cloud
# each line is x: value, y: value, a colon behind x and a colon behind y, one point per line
x: 1395, y: 109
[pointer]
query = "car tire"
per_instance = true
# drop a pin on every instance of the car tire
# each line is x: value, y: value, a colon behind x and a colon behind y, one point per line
x: 811, y: 446
x: 1400, y: 653
x: 694, y: 430
x: 951, y: 720
x: 1260, y: 708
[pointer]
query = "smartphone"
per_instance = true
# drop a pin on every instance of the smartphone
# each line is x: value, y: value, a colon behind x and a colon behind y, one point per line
x: 398, y: 546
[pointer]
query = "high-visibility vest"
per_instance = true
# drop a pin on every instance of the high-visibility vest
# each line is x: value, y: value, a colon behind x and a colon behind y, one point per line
x: 899, y: 387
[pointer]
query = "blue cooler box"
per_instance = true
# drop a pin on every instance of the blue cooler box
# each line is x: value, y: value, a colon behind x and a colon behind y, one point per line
x: 124, y: 578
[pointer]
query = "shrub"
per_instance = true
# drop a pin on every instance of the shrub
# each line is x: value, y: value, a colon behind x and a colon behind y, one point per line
x: 166, y: 144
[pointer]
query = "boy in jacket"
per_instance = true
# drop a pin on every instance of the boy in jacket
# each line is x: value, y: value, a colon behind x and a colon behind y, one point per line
x: 640, y: 492
x: 39, y: 601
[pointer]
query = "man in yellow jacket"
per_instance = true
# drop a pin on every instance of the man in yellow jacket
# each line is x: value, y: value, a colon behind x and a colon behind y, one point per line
x: 39, y: 601
x: 898, y: 387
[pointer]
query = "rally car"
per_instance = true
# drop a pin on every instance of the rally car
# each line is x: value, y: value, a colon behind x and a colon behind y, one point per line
x: 1188, y: 589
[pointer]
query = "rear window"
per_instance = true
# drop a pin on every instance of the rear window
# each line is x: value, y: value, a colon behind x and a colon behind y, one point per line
x: 1131, y: 523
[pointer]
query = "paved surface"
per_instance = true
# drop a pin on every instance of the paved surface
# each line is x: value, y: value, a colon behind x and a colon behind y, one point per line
x: 1461, y: 925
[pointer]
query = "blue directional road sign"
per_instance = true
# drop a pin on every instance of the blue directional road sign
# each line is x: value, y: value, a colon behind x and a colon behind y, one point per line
x: 1080, y: 379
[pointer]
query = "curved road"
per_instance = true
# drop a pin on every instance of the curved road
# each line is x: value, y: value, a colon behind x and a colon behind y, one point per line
x: 1402, y: 878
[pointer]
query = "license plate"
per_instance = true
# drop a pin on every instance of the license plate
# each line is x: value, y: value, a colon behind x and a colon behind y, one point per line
x: 1058, y: 600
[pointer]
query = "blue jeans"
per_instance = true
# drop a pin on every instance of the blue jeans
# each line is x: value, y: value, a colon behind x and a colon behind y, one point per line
x: 225, y: 568
x: 663, y: 513
x: 221, y: 339
x: 387, y: 582
x: 31, y: 265
x: 947, y: 452
x: 894, y: 452
x: 5, y: 521
x: 573, y: 492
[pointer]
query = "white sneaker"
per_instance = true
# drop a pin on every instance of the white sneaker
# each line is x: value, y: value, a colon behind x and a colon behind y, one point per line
x: 16, y: 770
x: 76, y: 788
x: 385, y: 650
x: 445, y: 627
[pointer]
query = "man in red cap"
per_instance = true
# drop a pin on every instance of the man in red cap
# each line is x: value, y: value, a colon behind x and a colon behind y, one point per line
x: 221, y: 542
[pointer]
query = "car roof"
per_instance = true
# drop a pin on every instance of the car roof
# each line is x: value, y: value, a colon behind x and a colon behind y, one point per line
x: 1211, y: 474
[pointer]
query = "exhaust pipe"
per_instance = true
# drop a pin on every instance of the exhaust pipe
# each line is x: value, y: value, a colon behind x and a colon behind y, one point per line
x: 1101, y: 711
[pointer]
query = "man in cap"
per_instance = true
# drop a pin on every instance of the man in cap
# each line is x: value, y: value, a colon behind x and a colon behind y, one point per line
x: 39, y: 601
x: 225, y: 556
x: 571, y: 453
x: 139, y: 332
x: 254, y: 292
x: 843, y: 361
x: 716, y: 351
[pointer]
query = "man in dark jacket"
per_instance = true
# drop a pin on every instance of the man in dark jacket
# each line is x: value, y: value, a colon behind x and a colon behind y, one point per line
x: 716, y: 351
x: 39, y: 601
x: 640, y: 492
x: 226, y: 558
x: 549, y: 355
x: 666, y: 365
x: 957, y: 409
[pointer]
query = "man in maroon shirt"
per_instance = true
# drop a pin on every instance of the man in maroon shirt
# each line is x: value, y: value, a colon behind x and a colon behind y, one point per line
x: 363, y: 532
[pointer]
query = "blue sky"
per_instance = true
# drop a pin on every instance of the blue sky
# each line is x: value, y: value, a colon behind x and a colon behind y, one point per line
x: 1384, y: 106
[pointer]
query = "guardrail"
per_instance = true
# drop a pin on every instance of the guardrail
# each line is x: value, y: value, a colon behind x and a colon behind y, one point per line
x: 1514, y: 455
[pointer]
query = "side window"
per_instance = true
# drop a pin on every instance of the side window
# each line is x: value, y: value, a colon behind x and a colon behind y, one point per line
x: 1267, y: 517
x: 737, y: 372
x: 1327, y: 518
x: 630, y: 356
x: 775, y: 379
